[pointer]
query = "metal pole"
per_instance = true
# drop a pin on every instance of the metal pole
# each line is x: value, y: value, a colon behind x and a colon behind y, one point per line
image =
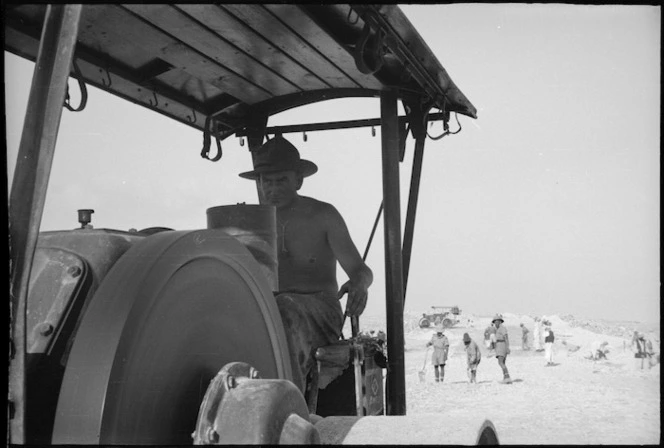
x: 331, y: 125
x: 412, y: 208
x: 255, y: 137
x: 396, y: 384
x: 28, y: 194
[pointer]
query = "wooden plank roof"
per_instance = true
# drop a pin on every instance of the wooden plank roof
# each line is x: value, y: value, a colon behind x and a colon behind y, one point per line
x: 233, y: 62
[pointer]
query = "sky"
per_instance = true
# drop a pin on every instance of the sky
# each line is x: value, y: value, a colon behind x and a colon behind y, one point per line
x: 548, y: 203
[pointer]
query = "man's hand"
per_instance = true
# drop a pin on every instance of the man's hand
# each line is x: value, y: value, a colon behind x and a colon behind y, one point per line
x: 357, y: 298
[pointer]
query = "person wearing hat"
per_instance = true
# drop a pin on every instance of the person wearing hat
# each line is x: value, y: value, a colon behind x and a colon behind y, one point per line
x: 524, y: 337
x: 312, y: 237
x: 473, y: 356
x: 440, y: 348
x: 502, y: 346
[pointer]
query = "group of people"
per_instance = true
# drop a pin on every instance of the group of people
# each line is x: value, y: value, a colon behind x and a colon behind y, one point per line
x: 441, y: 346
x: 543, y: 332
x: 498, y: 342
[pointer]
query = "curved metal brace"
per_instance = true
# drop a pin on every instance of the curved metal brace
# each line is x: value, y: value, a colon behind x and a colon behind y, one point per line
x: 84, y: 91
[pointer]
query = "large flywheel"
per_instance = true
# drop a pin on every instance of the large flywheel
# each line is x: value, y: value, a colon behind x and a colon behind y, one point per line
x: 174, y: 310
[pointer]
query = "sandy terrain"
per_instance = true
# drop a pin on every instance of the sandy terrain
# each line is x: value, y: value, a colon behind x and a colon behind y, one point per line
x: 577, y: 401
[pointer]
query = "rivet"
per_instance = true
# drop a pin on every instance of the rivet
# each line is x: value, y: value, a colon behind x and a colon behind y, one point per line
x: 45, y: 328
x: 74, y: 271
x: 230, y: 382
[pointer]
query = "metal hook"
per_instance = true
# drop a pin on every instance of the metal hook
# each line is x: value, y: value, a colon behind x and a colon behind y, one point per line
x: 304, y: 136
x: 84, y: 91
x: 189, y: 119
x: 373, y: 131
x: 205, y: 152
x: 241, y: 141
x: 156, y: 101
x: 108, y: 76
x: 357, y: 16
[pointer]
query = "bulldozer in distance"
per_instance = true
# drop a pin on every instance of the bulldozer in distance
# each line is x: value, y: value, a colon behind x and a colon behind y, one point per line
x: 172, y: 337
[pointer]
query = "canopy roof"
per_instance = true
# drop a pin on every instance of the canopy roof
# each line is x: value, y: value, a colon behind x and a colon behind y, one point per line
x: 236, y: 62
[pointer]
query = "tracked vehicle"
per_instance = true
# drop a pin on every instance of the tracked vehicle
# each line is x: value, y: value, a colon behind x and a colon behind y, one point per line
x: 166, y: 337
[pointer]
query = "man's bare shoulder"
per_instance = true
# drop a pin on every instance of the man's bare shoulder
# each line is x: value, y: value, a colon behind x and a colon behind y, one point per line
x: 317, y: 207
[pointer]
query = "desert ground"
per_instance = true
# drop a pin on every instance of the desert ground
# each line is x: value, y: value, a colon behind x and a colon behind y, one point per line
x: 577, y: 401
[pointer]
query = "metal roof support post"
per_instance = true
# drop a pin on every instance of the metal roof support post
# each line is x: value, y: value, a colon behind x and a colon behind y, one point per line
x: 396, y: 384
x: 33, y: 166
x: 412, y: 208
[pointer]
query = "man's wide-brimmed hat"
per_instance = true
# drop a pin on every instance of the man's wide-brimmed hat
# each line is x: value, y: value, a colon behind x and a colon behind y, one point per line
x: 439, y: 328
x: 497, y: 317
x: 278, y: 154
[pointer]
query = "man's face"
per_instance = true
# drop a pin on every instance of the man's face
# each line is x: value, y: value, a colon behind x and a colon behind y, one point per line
x: 280, y: 188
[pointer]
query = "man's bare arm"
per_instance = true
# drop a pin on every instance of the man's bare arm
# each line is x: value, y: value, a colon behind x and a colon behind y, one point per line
x: 359, y: 274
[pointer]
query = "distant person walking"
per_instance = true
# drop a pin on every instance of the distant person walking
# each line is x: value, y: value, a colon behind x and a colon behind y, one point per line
x: 473, y: 357
x: 548, y: 344
x: 524, y: 337
x: 537, y: 334
x: 440, y: 349
x: 502, y: 346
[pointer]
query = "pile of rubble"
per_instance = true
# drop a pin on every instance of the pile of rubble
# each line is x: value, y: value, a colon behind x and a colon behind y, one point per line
x: 618, y: 329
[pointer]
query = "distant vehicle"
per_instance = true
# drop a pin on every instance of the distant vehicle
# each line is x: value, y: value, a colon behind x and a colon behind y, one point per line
x: 448, y: 316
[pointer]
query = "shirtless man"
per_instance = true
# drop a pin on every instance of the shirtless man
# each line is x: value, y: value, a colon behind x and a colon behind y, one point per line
x: 312, y: 236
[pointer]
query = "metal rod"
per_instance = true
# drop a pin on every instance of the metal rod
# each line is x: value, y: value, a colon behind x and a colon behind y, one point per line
x: 31, y: 175
x: 396, y: 384
x: 412, y: 209
x: 373, y: 232
x: 255, y: 136
x: 347, y: 124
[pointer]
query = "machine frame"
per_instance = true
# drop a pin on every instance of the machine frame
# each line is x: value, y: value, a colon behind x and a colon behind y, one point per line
x: 301, y: 54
